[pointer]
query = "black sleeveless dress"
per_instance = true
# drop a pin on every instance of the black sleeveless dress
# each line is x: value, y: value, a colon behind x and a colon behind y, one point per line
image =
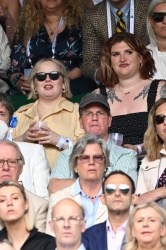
x: 133, y: 126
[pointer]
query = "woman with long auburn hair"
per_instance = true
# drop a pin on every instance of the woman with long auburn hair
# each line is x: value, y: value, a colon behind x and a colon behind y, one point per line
x: 125, y: 71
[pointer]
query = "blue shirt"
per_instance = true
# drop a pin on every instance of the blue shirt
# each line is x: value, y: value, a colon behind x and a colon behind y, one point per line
x: 126, y: 17
x: 90, y: 207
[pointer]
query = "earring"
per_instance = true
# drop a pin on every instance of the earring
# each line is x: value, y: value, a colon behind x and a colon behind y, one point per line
x: 63, y: 90
x: 35, y: 91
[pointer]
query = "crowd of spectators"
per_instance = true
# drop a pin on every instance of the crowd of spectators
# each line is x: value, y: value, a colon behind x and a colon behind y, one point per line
x: 64, y: 182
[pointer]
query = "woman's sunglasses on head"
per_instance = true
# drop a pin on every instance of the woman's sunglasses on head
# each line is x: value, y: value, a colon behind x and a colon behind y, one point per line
x: 53, y: 75
x: 158, y: 17
x: 159, y: 119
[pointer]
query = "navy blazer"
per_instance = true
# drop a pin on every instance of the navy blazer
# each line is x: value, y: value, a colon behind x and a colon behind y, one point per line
x: 95, y: 237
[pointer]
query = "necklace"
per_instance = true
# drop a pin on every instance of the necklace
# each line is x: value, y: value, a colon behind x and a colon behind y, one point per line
x: 128, y: 92
x: 52, y: 30
x: 125, y: 93
x: 91, y: 197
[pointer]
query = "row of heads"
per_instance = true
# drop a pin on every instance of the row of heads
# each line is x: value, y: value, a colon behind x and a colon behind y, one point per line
x: 77, y: 153
x: 146, y: 70
x: 79, y: 217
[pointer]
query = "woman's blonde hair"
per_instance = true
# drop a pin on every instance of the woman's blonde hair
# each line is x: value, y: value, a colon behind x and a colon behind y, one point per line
x: 31, y: 80
x: 151, y: 33
x: 131, y: 241
x: 32, y: 17
x: 29, y: 214
x: 152, y: 142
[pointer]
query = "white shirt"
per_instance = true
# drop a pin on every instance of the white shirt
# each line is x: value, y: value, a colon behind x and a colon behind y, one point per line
x: 160, y: 62
x: 97, y: 1
x: 115, y: 239
x: 80, y: 248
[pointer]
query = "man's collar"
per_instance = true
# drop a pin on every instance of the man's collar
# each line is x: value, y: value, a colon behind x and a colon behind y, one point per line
x: 109, y: 226
x: 125, y: 9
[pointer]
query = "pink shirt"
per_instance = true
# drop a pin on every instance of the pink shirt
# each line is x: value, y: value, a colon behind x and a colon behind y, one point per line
x: 115, y: 240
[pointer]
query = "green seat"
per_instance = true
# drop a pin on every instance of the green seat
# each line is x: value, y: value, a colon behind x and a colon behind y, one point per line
x: 20, y: 100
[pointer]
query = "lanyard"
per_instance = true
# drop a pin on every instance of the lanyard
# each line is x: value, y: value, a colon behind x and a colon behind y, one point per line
x: 28, y: 51
x: 55, y: 39
x: 53, y: 44
x: 109, y: 23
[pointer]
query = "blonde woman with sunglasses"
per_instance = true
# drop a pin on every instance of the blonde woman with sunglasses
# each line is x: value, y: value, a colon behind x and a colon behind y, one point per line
x: 156, y: 26
x: 50, y: 87
x: 151, y: 185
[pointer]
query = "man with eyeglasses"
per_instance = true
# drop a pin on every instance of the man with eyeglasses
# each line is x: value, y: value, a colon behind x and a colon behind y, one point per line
x: 36, y: 171
x: 95, y: 118
x: 68, y: 224
x: 11, y: 167
x: 118, y: 191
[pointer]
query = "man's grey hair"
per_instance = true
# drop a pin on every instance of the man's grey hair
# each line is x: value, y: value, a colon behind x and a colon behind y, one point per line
x: 14, y: 145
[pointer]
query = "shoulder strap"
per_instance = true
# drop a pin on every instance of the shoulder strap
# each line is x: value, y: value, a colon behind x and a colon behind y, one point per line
x: 152, y: 94
x: 103, y: 90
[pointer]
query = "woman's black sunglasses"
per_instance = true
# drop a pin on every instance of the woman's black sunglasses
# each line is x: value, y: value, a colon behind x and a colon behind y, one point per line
x: 158, y: 17
x: 159, y: 119
x: 53, y: 75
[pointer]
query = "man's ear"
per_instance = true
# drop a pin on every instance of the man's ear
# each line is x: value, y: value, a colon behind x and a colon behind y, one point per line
x: 81, y: 125
x: 21, y: 169
x: 102, y: 199
x: 51, y: 225
x: 83, y: 226
x: 110, y: 120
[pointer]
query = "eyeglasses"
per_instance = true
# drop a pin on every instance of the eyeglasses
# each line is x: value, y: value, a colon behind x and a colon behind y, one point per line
x: 159, y: 119
x: 12, y: 163
x: 89, y: 114
x: 53, y: 75
x: 73, y: 220
x: 86, y: 158
x: 158, y: 17
x: 123, y: 188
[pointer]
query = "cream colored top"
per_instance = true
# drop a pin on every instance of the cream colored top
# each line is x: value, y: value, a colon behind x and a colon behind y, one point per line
x: 62, y: 119
x: 149, y: 173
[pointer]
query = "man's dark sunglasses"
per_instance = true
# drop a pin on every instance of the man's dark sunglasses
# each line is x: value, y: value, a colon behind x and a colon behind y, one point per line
x: 158, y: 17
x: 53, y: 75
x: 159, y: 119
x: 111, y: 188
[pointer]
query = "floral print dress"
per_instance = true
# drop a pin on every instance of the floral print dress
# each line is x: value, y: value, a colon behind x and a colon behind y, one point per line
x: 68, y: 50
